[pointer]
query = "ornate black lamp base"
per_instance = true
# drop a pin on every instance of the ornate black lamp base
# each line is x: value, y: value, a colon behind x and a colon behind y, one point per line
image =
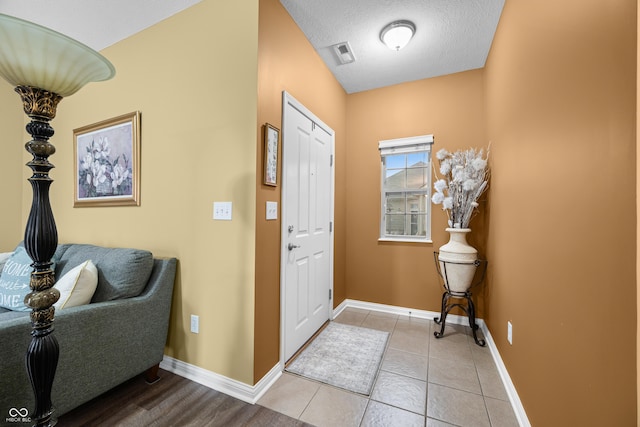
x: 470, y: 310
x: 40, y: 242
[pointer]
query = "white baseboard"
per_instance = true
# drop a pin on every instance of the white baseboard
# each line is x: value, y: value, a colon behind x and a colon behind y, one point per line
x: 231, y: 387
x: 403, y: 311
x: 251, y: 394
x: 516, y: 403
x: 514, y: 399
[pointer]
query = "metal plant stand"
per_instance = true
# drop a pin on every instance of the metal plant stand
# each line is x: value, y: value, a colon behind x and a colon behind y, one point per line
x: 448, y: 294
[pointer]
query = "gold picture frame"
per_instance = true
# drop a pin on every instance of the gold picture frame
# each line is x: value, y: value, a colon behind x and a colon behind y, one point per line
x: 271, y: 148
x: 107, y: 162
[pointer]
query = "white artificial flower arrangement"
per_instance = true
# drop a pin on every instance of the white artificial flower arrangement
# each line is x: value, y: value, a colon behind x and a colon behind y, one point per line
x: 465, y: 178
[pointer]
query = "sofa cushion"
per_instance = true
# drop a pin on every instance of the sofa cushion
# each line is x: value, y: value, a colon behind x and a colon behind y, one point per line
x: 122, y: 272
x: 6, y: 314
x: 14, y: 280
x: 77, y: 286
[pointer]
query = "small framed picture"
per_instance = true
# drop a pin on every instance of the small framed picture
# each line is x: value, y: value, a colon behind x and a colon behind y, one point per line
x: 107, y: 162
x: 271, y: 144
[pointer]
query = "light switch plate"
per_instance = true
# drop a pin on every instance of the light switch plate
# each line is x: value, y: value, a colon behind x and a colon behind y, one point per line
x: 272, y: 210
x: 195, y: 324
x: 222, y: 211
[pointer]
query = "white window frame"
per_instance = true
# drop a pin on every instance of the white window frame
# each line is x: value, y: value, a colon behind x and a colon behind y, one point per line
x: 422, y: 143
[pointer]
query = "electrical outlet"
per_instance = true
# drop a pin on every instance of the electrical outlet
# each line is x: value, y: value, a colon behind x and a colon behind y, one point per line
x: 195, y: 324
x: 510, y: 332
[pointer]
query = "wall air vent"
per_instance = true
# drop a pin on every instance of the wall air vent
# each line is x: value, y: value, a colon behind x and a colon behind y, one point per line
x: 343, y: 53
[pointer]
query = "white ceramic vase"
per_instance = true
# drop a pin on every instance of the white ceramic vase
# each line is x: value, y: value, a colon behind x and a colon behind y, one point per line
x: 457, y: 260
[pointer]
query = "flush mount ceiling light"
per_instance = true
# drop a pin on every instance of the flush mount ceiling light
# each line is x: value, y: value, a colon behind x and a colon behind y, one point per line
x: 397, y: 34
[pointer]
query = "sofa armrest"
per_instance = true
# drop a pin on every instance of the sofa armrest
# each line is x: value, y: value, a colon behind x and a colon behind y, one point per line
x: 101, y: 344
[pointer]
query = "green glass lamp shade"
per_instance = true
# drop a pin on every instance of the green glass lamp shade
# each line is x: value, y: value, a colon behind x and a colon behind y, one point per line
x: 32, y: 55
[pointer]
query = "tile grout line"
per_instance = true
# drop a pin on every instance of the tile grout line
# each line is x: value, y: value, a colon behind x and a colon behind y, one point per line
x: 308, y: 403
x: 395, y: 373
x: 411, y: 331
x: 471, y: 343
x: 373, y: 386
x: 426, y: 393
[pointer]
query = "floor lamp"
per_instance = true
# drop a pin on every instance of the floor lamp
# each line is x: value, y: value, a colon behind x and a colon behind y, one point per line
x: 44, y: 66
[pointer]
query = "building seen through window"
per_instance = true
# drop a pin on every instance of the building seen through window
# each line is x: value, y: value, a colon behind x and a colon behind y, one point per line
x: 405, y: 196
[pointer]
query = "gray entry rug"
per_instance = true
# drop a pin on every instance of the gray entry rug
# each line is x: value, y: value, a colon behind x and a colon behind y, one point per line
x: 344, y: 356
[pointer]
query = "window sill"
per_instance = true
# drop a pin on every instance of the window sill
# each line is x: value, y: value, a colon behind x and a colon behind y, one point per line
x: 404, y: 240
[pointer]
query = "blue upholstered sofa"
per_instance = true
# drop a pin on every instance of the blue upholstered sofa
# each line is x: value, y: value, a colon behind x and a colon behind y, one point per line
x: 119, y: 335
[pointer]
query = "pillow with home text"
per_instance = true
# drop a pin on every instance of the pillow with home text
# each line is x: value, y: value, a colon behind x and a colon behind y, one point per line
x: 14, y: 280
x: 4, y: 256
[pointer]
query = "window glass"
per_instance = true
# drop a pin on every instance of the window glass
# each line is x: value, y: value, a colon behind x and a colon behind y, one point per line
x: 416, y: 203
x: 396, y: 162
x: 395, y: 225
x: 417, y: 178
x: 396, y: 179
x: 417, y: 159
x: 395, y: 203
x: 406, y: 193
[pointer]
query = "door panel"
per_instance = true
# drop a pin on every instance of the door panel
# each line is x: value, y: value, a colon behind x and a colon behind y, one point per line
x: 307, y: 212
x: 301, y: 293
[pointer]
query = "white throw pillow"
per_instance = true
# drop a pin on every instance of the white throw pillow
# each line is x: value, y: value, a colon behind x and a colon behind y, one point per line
x: 77, y: 286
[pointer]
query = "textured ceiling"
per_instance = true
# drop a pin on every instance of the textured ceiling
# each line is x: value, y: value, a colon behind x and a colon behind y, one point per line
x: 96, y: 23
x: 451, y: 36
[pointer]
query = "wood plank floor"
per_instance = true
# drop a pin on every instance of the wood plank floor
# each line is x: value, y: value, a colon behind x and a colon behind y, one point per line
x: 172, y: 401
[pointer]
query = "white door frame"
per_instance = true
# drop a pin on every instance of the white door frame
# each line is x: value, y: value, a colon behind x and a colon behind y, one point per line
x: 287, y: 102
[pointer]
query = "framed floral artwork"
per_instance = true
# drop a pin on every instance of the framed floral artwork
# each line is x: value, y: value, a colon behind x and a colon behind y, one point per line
x: 107, y: 162
x: 271, y: 139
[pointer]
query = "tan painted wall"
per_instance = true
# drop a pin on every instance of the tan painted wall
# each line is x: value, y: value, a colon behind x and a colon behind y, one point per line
x: 559, y: 122
x: 451, y: 108
x: 287, y: 61
x: 561, y: 99
x: 197, y: 95
x: 12, y: 169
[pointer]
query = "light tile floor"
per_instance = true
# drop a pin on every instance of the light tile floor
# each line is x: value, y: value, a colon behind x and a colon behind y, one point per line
x: 423, y: 381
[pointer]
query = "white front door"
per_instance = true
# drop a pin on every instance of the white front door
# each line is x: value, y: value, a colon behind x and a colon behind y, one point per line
x: 307, y: 216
